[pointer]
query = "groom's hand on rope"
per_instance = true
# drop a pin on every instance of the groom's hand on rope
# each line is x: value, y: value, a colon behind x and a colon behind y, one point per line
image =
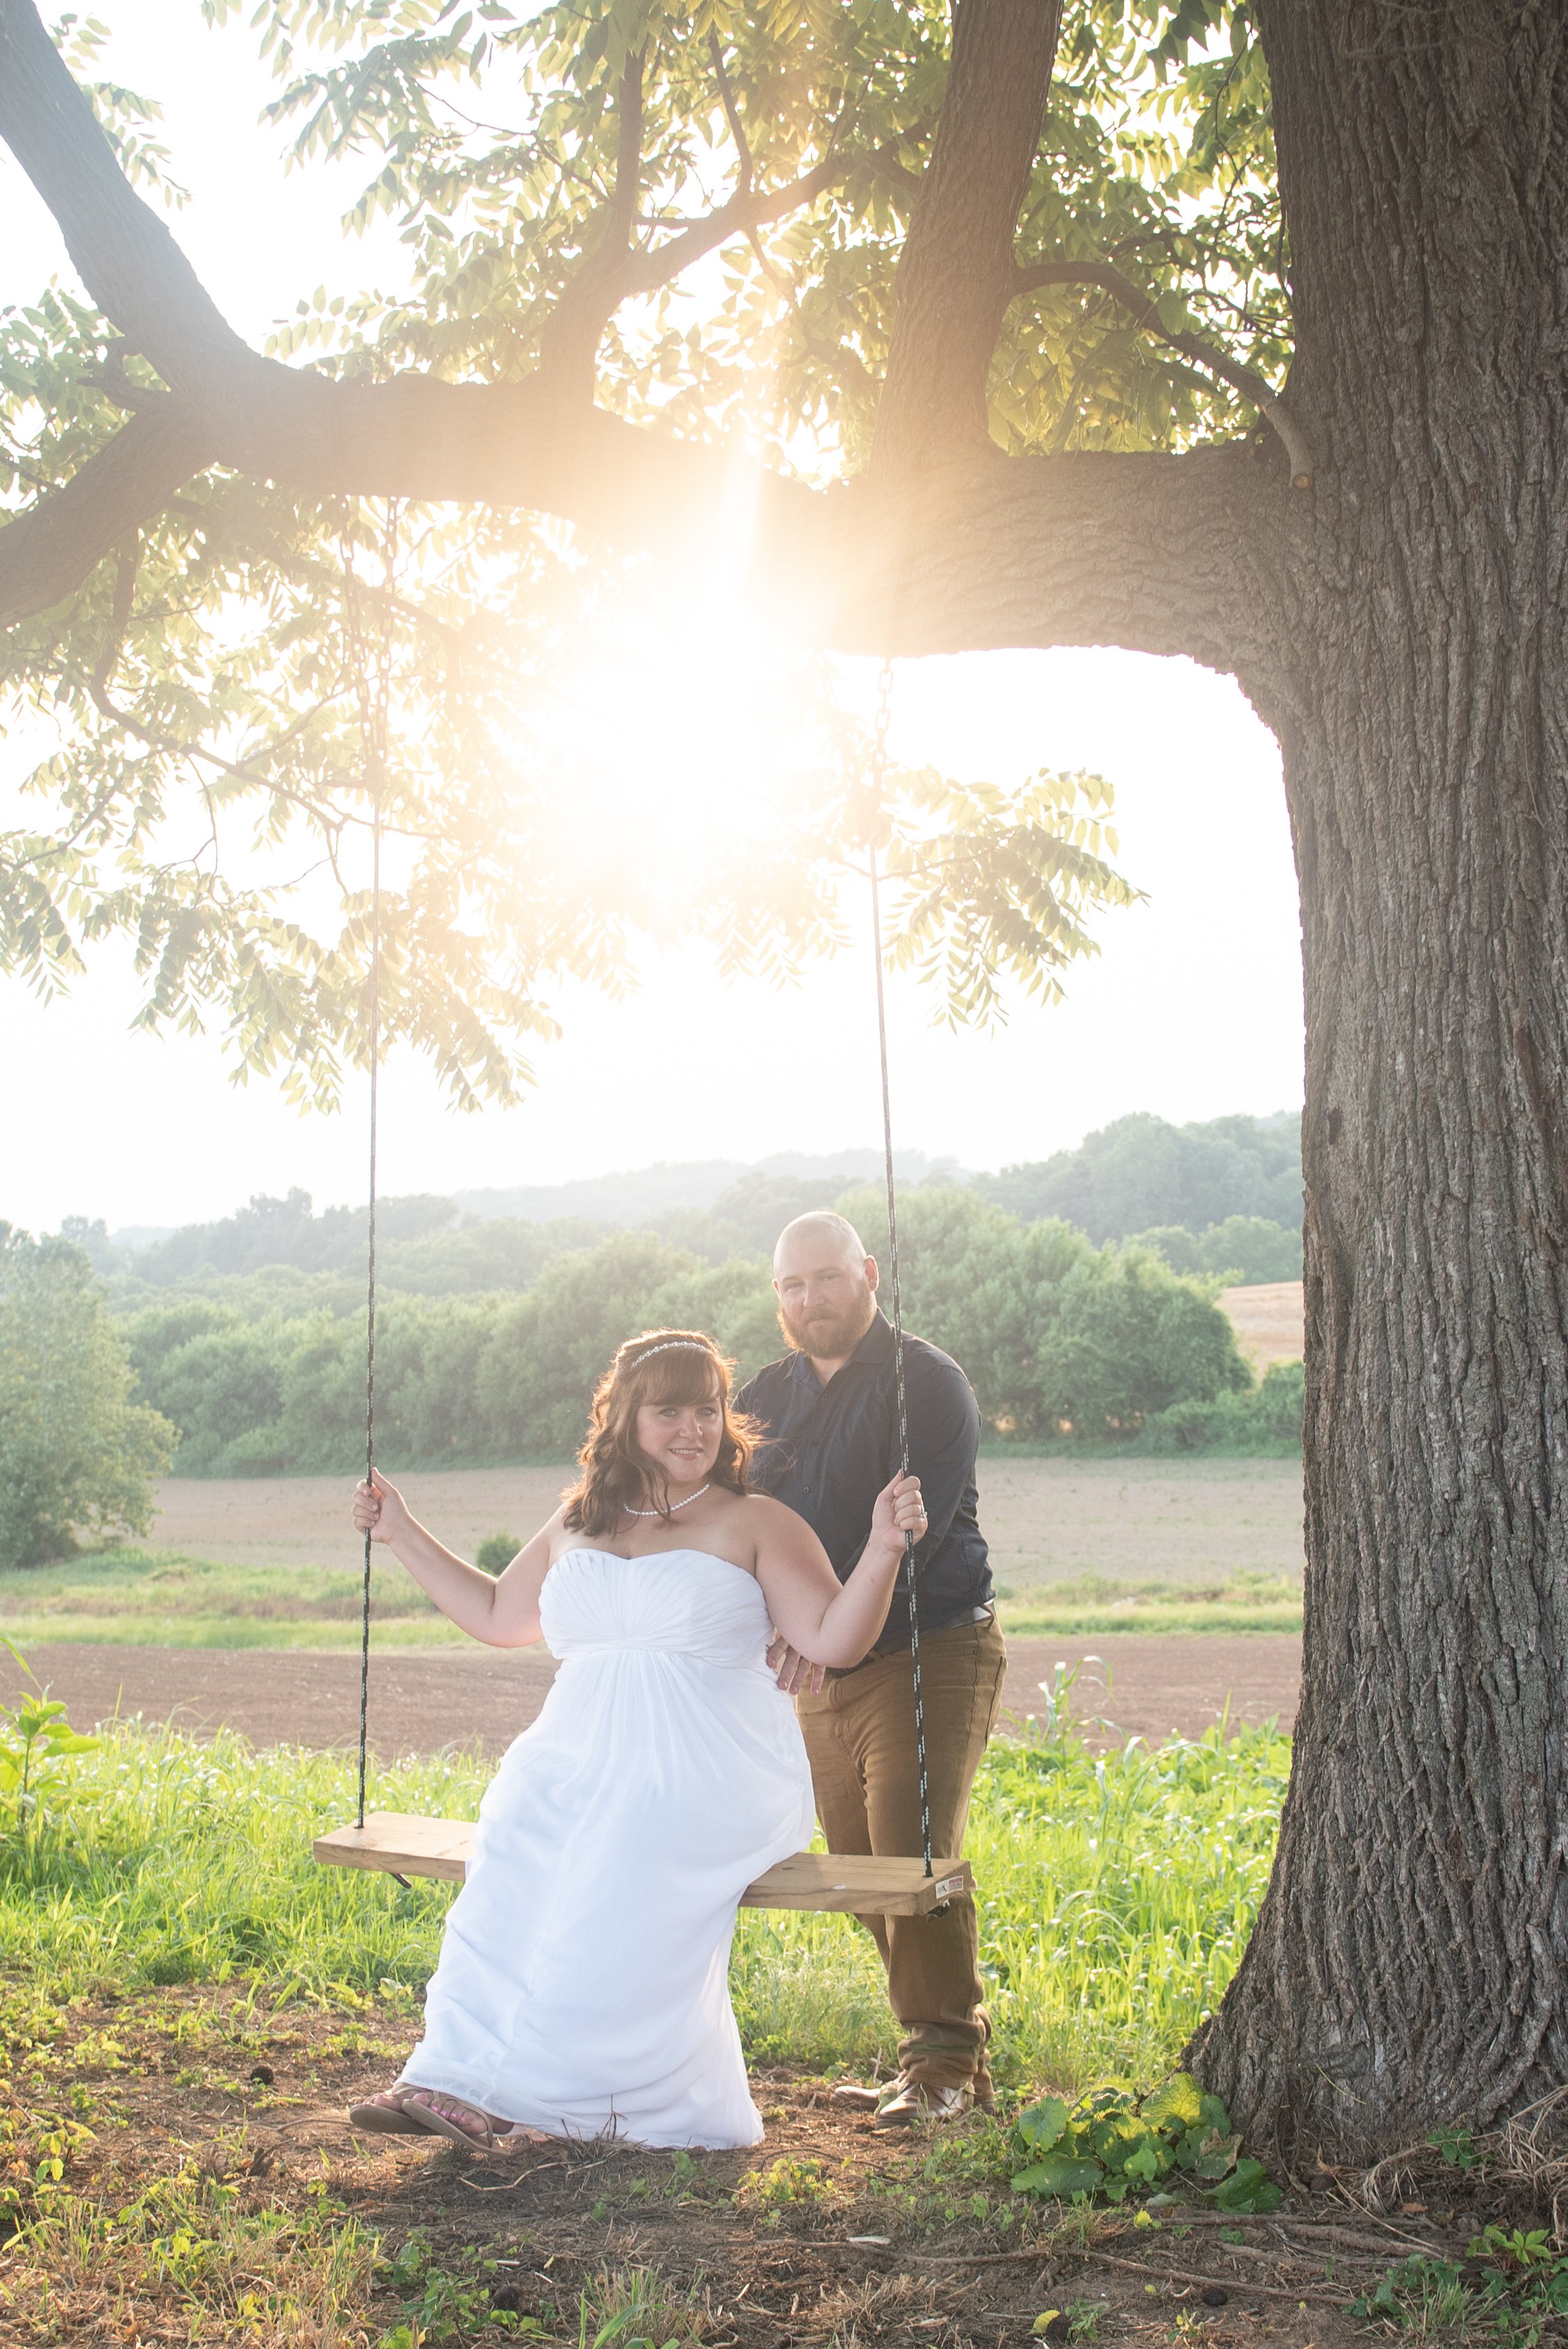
x: 379, y: 1509
x: 899, y: 1510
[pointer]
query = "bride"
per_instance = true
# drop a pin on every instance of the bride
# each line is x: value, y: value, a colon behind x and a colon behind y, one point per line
x: 583, y: 1988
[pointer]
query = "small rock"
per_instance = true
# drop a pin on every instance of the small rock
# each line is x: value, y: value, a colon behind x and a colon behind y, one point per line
x: 1212, y: 2297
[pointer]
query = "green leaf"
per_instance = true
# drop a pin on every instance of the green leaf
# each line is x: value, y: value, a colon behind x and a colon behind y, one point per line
x: 1175, y: 2104
x: 1041, y: 2126
x: 1216, y: 2154
x: 1058, y: 2177
x: 1247, y: 2188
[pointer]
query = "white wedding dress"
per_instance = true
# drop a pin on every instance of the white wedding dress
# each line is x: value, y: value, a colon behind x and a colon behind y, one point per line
x: 583, y: 1984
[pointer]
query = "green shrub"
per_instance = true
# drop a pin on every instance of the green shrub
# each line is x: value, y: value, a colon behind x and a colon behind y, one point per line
x: 1132, y: 1337
x: 1243, y: 1248
x: 1052, y: 1330
x: 77, y: 1456
x: 497, y: 1552
x: 1113, y: 2143
x: 1265, y: 1419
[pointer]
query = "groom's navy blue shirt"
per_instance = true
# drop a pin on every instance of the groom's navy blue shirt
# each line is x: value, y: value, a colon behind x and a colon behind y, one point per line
x: 829, y: 1449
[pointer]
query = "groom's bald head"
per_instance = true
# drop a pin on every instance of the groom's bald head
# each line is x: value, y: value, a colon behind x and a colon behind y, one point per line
x: 820, y: 1234
x: 826, y: 1284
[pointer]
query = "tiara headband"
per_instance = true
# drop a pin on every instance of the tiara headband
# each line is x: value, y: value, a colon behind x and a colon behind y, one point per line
x: 668, y: 1347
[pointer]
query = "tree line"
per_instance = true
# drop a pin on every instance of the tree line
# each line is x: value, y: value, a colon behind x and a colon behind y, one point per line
x: 1058, y: 1336
x: 1222, y: 1198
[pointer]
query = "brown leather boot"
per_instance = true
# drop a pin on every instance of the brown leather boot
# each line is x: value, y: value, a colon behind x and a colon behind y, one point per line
x: 915, y: 2100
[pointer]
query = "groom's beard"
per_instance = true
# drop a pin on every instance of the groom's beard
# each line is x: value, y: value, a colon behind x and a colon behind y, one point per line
x: 829, y: 1336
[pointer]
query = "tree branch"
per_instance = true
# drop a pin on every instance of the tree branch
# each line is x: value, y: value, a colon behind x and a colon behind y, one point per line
x: 48, y: 553
x: 568, y: 347
x: 1204, y: 354
x: 741, y: 216
x: 955, y: 275
x: 122, y: 251
x: 732, y: 115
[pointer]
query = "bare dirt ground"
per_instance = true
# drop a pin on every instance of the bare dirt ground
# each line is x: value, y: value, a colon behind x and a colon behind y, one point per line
x: 1268, y: 1319
x: 827, y: 2231
x: 420, y: 1703
x: 1047, y: 1520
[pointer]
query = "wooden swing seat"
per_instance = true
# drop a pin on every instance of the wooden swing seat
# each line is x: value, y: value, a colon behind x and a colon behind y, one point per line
x: 400, y: 1844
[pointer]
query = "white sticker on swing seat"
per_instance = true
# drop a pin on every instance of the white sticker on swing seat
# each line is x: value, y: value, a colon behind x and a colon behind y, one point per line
x: 949, y: 1883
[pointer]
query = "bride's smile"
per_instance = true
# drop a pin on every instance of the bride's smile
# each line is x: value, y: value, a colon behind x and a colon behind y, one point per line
x: 680, y: 1443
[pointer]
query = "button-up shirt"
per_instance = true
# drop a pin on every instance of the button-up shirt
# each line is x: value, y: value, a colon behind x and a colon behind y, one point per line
x: 828, y: 1451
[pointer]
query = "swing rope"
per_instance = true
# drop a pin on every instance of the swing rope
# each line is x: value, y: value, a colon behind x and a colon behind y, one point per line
x: 911, y: 1589
x: 373, y: 737
x: 370, y: 1284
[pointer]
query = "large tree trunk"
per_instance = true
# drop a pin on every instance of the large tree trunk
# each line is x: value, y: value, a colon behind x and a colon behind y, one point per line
x: 1409, y: 1967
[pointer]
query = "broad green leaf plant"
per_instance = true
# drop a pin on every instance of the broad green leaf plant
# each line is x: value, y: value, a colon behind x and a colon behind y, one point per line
x: 1112, y: 2145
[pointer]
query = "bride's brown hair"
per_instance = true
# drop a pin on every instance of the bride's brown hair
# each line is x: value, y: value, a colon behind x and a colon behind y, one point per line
x: 661, y: 1366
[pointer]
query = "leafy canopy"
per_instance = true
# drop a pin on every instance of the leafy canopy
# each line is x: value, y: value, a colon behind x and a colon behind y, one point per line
x: 227, y: 697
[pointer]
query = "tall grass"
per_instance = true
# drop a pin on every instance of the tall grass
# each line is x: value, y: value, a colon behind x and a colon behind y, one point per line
x: 1117, y: 1895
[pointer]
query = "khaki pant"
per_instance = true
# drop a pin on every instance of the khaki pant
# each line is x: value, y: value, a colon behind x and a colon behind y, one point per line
x: 860, y: 1735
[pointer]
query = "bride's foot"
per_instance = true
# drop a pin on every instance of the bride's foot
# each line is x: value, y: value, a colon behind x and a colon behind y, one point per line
x: 421, y: 2112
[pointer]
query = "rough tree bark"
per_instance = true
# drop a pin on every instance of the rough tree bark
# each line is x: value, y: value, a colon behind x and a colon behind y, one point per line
x: 1403, y: 624
x: 1408, y: 1969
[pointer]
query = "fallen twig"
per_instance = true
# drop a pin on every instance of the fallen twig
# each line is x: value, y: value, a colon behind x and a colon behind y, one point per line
x: 1211, y: 2282
x: 1039, y: 2253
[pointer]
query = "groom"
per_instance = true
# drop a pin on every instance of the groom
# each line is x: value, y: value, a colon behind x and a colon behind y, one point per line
x: 830, y: 1424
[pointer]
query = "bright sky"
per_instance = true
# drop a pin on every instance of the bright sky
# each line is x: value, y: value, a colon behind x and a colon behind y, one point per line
x: 1193, y: 1008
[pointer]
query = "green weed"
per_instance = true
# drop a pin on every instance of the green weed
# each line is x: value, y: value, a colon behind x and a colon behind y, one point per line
x: 638, y: 2308
x: 1110, y: 2144
x: 265, y: 2275
x: 1512, y: 2286
x: 445, y: 2305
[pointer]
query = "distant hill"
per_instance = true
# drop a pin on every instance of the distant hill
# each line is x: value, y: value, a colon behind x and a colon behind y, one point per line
x: 482, y: 1240
x: 1220, y: 1197
x: 634, y: 1196
x: 1139, y: 1174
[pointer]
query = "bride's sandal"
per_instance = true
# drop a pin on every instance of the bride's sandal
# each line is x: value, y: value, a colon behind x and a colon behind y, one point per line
x: 440, y: 2119
x: 383, y: 2115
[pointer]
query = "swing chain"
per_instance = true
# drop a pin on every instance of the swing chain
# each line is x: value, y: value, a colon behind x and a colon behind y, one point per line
x: 911, y: 1587
x: 373, y: 714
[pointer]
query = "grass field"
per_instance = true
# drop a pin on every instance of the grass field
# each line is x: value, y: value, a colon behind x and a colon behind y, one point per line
x: 187, y: 2004
x: 1117, y: 1895
x: 1077, y: 1546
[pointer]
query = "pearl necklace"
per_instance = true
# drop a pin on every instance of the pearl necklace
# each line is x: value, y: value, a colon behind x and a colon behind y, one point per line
x: 686, y: 1504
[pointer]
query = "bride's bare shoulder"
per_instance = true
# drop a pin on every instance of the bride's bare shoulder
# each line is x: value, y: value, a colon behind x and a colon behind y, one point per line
x: 774, y: 1521
x: 763, y: 1510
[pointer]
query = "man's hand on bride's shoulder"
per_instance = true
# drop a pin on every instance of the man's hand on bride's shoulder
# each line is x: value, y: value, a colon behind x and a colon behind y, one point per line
x: 796, y: 1674
x: 379, y: 1509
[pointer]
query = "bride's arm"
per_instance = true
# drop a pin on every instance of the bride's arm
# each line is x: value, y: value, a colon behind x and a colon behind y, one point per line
x: 502, y: 1611
x: 826, y: 1620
